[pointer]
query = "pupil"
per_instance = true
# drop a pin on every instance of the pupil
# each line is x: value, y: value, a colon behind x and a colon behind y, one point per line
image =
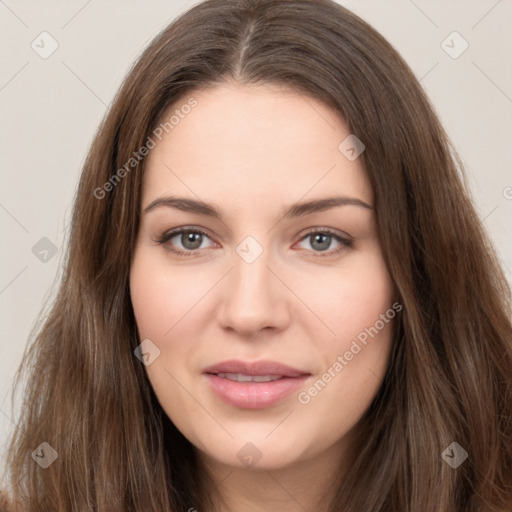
x: 323, y: 245
x: 192, y: 238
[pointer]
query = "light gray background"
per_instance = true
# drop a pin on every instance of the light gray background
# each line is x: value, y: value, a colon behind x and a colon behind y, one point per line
x: 50, y: 109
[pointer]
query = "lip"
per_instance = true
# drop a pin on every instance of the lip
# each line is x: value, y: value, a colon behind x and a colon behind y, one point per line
x: 254, y: 395
x: 263, y: 367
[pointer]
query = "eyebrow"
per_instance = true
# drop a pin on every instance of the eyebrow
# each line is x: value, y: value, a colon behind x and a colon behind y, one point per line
x: 291, y: 211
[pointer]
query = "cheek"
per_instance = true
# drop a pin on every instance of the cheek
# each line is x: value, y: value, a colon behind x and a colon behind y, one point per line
x: 360, y: 311
x: 166, y: 306
x: 160, y: 298
x: 353, y: 299
x: 158, y: 308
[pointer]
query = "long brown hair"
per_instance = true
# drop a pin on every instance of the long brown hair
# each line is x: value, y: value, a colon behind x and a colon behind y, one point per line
x: 450, y: 376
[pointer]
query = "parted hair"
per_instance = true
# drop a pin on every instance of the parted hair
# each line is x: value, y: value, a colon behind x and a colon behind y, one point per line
x: 450, y: 374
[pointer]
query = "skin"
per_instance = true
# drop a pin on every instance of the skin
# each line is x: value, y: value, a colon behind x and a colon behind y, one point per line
x: 251, y: 150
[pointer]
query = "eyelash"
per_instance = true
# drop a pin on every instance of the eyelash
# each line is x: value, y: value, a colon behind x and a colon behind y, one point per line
x: 346, y: 243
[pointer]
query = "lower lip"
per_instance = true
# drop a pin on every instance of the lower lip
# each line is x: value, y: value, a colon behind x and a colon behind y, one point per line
x: 254, y: 395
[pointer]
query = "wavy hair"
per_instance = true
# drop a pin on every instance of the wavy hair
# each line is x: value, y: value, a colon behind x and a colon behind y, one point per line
x: 450, y: 374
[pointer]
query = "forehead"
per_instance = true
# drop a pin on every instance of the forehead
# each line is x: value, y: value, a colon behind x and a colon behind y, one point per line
x: 241, y: 144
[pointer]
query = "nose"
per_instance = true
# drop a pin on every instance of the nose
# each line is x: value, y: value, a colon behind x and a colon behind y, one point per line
x: 254, y: 297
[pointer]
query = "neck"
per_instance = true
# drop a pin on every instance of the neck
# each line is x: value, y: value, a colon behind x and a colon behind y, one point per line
x: 303, y: 485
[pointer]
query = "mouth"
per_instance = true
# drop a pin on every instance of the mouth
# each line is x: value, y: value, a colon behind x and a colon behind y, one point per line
x: 239, y: 377
x: 255, y: 385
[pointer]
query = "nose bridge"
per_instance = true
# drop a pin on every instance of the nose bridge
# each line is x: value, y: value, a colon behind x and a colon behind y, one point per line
x: 251, y: 277
x: 254, y: 297
x: 251, y: 273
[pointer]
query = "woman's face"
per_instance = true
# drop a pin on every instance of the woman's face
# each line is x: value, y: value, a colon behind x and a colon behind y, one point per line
x: 269, y: 339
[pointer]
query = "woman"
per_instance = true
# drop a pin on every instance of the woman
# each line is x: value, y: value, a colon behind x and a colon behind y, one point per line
x: 340, y: 337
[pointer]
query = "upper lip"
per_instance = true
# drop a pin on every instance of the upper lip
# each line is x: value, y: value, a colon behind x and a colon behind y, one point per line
x: 255, y: 368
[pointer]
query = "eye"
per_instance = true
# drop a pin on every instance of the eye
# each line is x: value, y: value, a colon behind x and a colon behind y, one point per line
x: 192, y: 239
x: 321, y: 240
